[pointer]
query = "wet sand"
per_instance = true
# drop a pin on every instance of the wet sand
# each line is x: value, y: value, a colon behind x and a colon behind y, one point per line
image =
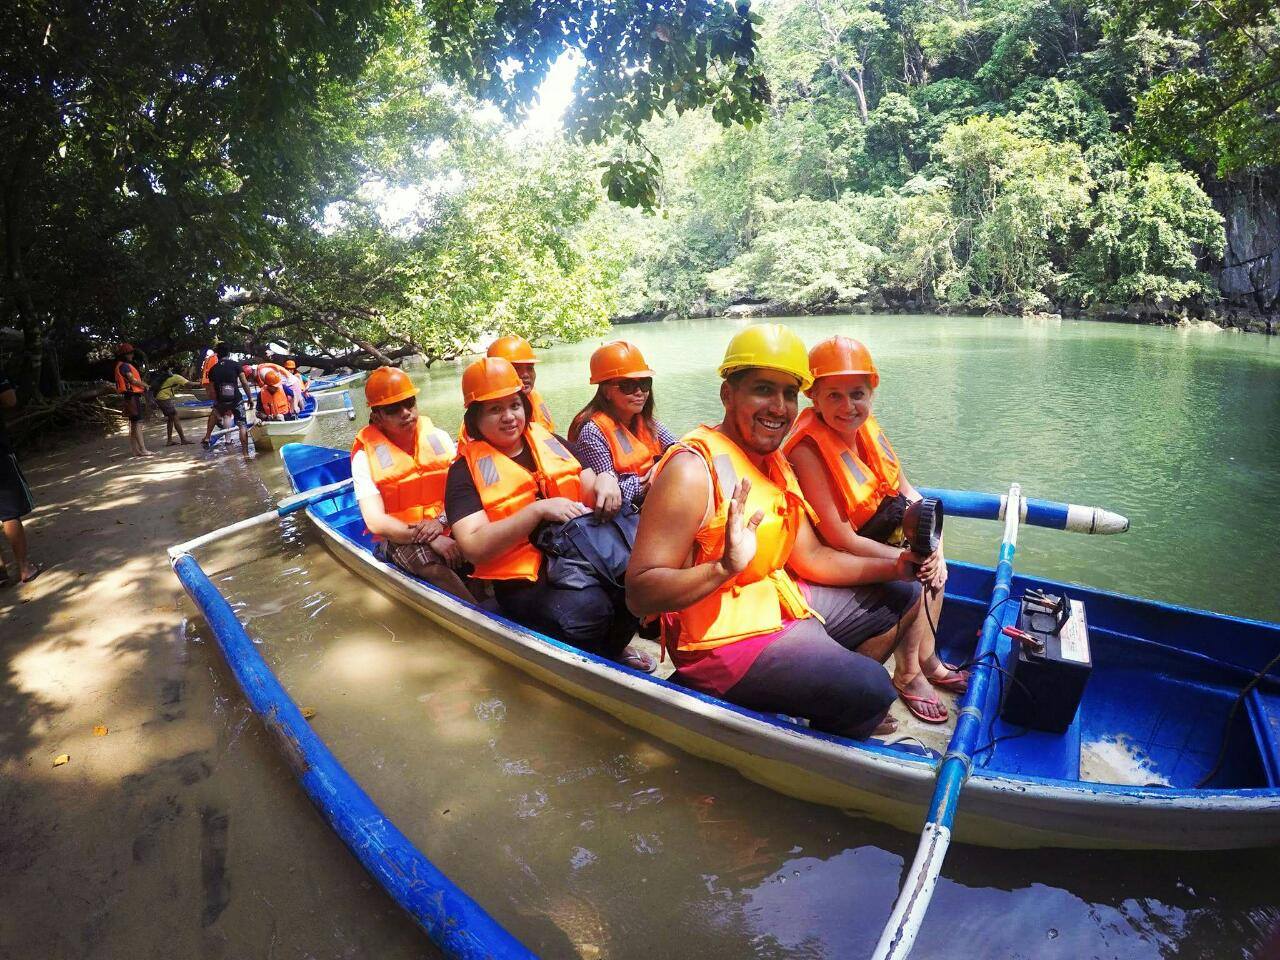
x: 178, y: 833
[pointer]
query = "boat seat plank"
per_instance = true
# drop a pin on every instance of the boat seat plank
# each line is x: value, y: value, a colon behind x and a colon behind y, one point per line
x: 1264, y: 716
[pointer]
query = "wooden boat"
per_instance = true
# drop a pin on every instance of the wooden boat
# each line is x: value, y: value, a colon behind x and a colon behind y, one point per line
x: 199, y: 408
x: 273, y: 434
x: 334, y: 381
x: 1163, y: 697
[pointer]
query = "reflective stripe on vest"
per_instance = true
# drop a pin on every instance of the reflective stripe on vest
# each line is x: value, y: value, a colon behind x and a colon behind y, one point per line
x: 506, y: 488
x: 632, y: 453
x: 857, y: 484
x: 411, y: 485
x: 541, y: 415
x: 761, y: 597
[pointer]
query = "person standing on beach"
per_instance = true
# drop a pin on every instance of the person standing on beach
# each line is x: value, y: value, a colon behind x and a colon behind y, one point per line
x: 133, y: 391
x: 166, y: 387
x: 230, y: 391
x: 15, y: 495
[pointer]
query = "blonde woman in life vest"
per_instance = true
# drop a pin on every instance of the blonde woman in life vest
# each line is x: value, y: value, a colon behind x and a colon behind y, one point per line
x: 512, y: 475
x: 853, y: 479
x: 398, y: 467
x: 616, y: 432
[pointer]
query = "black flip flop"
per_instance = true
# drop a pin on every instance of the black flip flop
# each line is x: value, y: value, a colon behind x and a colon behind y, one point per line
x: 39, y: 570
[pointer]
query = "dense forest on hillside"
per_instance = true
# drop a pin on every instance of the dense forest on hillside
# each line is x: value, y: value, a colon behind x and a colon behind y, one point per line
x: 980, y: 155
x: 178, y: 172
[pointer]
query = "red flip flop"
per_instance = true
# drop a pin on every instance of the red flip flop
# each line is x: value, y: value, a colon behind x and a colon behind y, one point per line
x: 911, y: 700
x: 957, y: 680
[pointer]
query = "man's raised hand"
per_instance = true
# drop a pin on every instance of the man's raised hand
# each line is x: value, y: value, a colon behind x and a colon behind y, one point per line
x: 739, y: 535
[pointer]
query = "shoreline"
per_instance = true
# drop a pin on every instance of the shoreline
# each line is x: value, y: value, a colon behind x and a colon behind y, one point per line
x: 1226, y: 319
x: 178, y: 830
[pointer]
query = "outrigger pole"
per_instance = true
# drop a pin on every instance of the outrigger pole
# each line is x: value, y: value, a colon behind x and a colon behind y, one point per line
x: 459, y: 926
x: 1037, y: 513
x: 917, y: 889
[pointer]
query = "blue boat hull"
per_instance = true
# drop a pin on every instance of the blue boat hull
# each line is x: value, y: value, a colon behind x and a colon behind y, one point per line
x: 1164, y: 682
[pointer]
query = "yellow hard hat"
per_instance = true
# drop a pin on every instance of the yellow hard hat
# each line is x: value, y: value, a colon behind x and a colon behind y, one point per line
x: 771, y: 346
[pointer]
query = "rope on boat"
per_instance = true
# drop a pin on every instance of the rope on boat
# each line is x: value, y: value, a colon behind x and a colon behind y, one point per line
x: 917, y: 888
x: 458, y: 925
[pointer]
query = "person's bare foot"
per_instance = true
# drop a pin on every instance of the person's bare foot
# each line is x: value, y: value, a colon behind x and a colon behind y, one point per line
x: 887, y: 726
x: 172, y: 443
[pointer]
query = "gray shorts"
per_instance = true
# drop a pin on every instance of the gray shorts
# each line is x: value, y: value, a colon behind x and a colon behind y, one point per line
x: 814, y: 670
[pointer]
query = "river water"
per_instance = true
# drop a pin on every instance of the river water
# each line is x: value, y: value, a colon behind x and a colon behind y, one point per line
x: 588, y: 839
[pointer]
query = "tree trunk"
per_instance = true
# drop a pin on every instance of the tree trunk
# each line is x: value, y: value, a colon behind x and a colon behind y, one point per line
x: 15, y: 273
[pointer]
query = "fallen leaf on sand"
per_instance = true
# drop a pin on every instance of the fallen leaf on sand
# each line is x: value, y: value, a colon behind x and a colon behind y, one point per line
x: 100, y: 730
x: 308, y: 712
x: 61, y: 758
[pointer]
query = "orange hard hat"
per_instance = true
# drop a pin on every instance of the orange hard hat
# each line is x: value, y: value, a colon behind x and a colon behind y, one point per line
x: 618, y: 359
x: 388, y: 385
x: 291, y: 364
x: 512, y: 349
x: 123, y: 348
x: 489, y: 379
x: 838, y: 355
x: 271, y: 377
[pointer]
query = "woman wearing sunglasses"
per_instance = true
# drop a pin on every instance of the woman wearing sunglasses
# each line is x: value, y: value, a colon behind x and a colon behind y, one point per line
x: 616, y: 433
x: 399, y: 464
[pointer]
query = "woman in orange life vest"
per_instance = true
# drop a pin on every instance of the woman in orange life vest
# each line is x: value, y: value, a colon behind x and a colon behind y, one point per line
x: 398, y: 468
x: 853, y: 479
x: 132, y: 391
x: 205, y: 367
x: 275, y: 399
x: 519, y: 353
x: 511, y: 476
x: 616, y: 432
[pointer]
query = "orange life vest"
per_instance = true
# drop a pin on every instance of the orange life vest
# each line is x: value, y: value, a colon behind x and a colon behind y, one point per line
x: 541, y: 413
x: 506, y: 488
x: 274, y: 403
x: 412, y: 485
x: 285, y: 375
x: 209, y: 361
x: 861, y: 477
x: 758, y: 598
x: 631, y: 453
x: 123, y: 385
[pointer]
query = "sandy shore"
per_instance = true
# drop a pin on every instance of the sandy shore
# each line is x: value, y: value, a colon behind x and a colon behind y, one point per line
x: 178, y: 833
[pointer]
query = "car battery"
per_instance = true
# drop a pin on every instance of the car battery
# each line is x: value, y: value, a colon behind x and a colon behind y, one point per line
x: 1049, y: 675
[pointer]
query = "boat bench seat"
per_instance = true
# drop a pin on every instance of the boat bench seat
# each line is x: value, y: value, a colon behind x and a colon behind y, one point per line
x: 1264, y: 716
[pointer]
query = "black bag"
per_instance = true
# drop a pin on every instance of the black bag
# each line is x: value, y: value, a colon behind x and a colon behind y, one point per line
x: 586, y: 552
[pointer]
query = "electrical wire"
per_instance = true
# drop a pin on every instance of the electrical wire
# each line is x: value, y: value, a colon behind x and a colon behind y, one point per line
x: 1231, y: 716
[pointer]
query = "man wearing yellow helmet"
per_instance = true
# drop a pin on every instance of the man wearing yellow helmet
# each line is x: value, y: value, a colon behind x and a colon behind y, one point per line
x: 721, y: 532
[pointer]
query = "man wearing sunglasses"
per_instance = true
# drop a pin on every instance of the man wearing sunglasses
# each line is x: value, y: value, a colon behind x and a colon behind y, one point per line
x: 398, y: 468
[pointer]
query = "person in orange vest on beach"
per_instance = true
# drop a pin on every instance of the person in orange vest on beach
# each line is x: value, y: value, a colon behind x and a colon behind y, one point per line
x: 519, y: 353
x: 275, y: 399
x: 132, y: 391
x: 513, y: 475
x: 755, y: 608
x: 616, y: 431
x: 205, y: 367
x: 853, y: 479
x: 398, y: 467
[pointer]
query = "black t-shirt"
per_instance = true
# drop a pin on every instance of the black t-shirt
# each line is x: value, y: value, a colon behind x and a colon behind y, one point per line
x: 225, y: 377
x: 462, y: 499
